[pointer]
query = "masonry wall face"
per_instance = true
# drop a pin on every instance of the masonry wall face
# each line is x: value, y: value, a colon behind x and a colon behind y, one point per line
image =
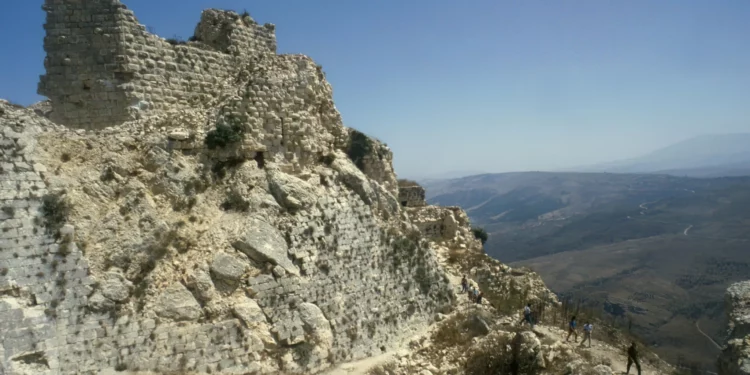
x: 104, y: 68
x: 411, y: 196
x: 372, y: 288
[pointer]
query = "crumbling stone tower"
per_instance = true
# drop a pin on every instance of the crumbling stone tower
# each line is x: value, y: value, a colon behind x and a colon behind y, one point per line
x: 103, y: 67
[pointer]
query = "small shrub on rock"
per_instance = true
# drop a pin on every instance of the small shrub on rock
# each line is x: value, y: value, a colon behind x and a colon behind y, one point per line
x: 480, y: 234
x: 360, y: 145
x: 55, y: 211
x: 223, y: 136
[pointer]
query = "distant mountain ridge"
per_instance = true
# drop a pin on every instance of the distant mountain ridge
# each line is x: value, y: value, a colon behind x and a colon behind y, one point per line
x: 712, y: 155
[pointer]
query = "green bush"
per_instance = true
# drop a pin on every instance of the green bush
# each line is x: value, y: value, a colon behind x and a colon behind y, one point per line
x: 480, y: 234
x: 55, y: 211
x: 223, y: 136
x: 360, y: 145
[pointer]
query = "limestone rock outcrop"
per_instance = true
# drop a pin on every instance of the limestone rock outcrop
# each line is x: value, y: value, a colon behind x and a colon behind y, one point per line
x: 177, y: 303
x: 199, y: 207
x: 265, y: 243
x: 173, y: 207
x: 735, y: 358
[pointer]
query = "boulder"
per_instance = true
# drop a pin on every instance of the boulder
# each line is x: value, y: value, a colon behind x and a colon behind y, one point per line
x: 116, y: 287
x: 315, y: 324
x: 353, y: 177
x: 264, y: 243
x: 227, y: 268
x: 178, y: 304
x: 291, y: 192
x: 201, y: 284
x: 602, y: 370
x: 249, y: 313
x: 478, y: 325
x: 97, y: 302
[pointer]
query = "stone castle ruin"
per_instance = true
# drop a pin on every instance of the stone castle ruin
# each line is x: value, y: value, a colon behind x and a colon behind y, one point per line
x: 104, y: 68
x: 200, y: 206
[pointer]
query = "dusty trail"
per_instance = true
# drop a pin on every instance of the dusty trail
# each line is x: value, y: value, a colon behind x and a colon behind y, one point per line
x: 707, y: 336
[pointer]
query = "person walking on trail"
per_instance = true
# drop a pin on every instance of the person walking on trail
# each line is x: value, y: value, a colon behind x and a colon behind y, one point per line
x: 476, y: 294
x: 479, y: 298
x: 470, y: 293
x: 464, y: 285
x: 587, y: 329
x: 633, y: 358
x: 572, y: 329
x: 527, y: 316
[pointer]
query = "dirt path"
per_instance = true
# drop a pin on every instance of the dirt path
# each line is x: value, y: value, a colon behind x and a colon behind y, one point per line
x: 362, y: 366
x: 686, y: 230
x: 707, y: 336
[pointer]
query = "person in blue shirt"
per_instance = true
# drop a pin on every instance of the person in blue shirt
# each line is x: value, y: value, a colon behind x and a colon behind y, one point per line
x: 572, y: 329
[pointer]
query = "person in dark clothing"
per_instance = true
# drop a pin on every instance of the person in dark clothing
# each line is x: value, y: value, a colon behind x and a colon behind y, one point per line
x: 633, y: 358
x: 572, y: 329
x: 464, y: 285
x: 479, y: 298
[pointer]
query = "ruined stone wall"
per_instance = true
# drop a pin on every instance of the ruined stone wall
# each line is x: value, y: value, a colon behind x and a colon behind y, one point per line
x: 411, y: 196
x: 43, y: 282
x: 373, y: 287
x: 345, y: 285
x: 103, y: 67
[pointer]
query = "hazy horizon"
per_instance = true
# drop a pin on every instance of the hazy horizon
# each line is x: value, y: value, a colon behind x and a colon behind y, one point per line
x: 488, y: 86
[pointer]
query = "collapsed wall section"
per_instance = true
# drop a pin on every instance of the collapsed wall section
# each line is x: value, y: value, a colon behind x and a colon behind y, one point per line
x: 103, y: 67
x: 373, y: 285
x: 43, y: 281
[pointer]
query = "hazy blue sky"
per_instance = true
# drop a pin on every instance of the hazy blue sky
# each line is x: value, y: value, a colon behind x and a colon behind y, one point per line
x: 487, y: 85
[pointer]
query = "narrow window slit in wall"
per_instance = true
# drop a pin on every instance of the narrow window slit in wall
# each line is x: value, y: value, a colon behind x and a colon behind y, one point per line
x: 260, y: 159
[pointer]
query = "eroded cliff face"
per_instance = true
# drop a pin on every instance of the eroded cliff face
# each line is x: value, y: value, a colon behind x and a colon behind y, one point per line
x: 735, y: 358
x: 142, y: 245
x: 212, y: 214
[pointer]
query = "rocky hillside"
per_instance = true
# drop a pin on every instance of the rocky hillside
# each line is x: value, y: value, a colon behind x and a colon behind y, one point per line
x: 735, y: 358
x: 240, y: 230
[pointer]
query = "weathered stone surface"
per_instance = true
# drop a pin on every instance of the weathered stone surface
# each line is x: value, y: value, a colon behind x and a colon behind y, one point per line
x: 98, y: 302
x: 316, y: 324
x: 353, y: 177
x: 478, y: 325
x: 177, y: 303
x: 264, y: 243
x: 148, y: 199
x: 411, y: 195
x: 603, y: 370
x: 735, y: 358
x: 249, y: 312
x: 450, y: 226
x: 201, y: 284
x: 291, y: 192
x: 227, y: 267
x: 116, y: 287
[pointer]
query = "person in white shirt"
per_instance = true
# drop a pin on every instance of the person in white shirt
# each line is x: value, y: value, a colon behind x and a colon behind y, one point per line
x: 527, y: 316
x: 587, y: 329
